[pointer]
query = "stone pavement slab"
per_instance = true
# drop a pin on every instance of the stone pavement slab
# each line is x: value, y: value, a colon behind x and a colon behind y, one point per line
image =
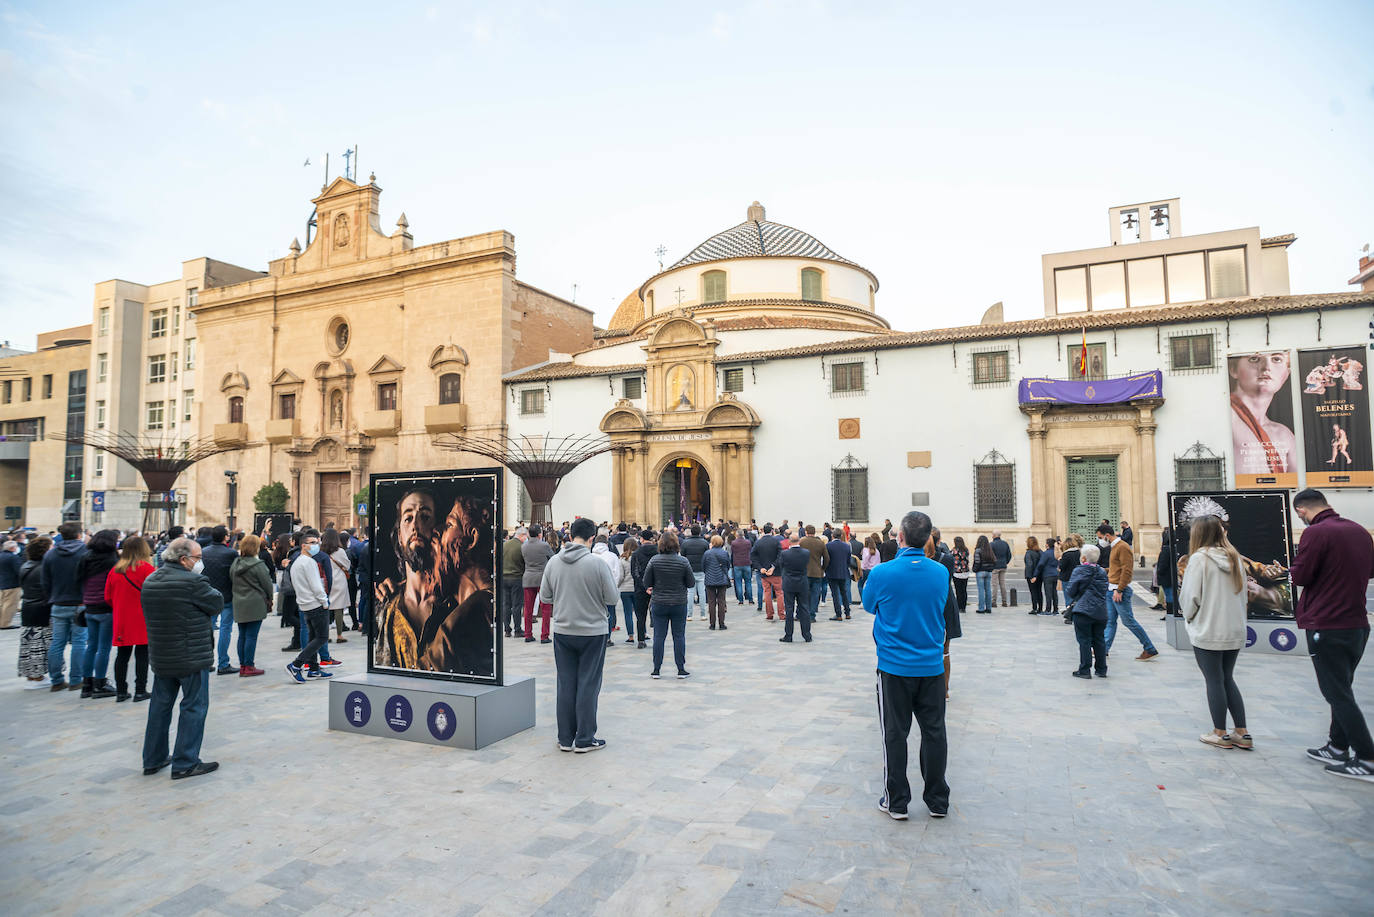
x: 750, y: 788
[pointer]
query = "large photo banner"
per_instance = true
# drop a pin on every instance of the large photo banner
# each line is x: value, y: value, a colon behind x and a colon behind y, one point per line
x: 1257, y: 523
x: 1266, y: 450
x: 434, y: 562
x: 1335, y: 418
x: 272, y: 526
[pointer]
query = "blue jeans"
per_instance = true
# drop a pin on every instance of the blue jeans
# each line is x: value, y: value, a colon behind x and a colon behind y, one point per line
x: 226, y: 633
x: 627, y: 609
x: 195, y: 703
x: 839, y: 589
x: 817, y: 584
x: 64, y: 630
x: 668, y: 617
x: 1122, y: 610
x: 744, y: 580
x: 984, y: 590
x: 248, y: 642
x: 699, y: 590
x: 758, y: 588
x: 99, y: 633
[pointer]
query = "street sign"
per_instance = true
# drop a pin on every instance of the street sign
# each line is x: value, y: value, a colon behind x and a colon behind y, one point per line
x: 362, y: 509
x: 14, y: 512
x: 97, y: 501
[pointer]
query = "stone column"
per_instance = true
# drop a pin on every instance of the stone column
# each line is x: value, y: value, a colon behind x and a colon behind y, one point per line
x: 720, y: 488
x: 620, y: 457
x: 746, y: 490
x: 1149, y: 496
x: 296, y: 505
x: 1040, y: 474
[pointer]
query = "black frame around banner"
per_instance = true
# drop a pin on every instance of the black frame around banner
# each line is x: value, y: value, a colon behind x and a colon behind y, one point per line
x: 482, y: 489
x: 1246, y: 539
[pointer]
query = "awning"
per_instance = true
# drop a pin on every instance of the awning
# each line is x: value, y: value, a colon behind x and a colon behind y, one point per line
x: 1092, y: 391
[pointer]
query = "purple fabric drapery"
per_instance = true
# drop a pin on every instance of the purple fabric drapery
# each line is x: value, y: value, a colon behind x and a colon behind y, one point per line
x: 1091, y: 391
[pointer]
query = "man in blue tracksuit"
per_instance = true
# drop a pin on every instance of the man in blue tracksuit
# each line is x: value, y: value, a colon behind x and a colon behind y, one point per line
x: 906, y: 597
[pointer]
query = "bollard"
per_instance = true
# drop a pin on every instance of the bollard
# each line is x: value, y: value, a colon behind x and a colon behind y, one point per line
x: 1013, y: 596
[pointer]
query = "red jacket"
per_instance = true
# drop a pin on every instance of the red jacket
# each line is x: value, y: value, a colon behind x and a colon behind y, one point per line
x: 1334, y: 564
x: 123, y: 591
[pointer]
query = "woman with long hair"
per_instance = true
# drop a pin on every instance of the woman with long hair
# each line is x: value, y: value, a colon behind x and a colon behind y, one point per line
x: 625, y: 583
x: 961, y: 572
x: 667, y: 579
x: 35, y: 616
x: 332, y: 547
x: 124, y: 593
x: 1048, y: 574
x: 1032, y: 573
x: 252, y: 584
x: 102, y: 552
x: 983, y: 564
x: 1213, y: 602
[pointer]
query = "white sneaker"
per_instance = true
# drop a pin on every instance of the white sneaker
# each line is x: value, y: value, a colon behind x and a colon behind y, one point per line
x: 36, y: 685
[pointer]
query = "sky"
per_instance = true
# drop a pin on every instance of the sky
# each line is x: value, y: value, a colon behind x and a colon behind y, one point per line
x: 944, y: 149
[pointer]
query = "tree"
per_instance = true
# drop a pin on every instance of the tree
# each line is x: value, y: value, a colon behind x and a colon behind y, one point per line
x: 271, y: 498
x: 359, y: 498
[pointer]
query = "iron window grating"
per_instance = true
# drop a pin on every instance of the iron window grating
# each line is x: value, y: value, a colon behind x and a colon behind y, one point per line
x: 732, y: 379
x: 1194, y: 339
x: 981, y: 360
x: 531, y: 401
x: 849, y: 490
x: 994, y: 489
x: 632, y: 388
x: 847, y: 372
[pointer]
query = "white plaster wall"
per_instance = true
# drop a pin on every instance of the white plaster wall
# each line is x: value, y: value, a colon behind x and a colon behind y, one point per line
x: 732, y: 342
x: 612, y: 354
x: 756, y: 278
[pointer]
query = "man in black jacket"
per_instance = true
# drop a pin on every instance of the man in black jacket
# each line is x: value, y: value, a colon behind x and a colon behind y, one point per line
x: 693, y: 548
x: 58, y: 576
x: 218, y: 557
x: 764, y: 557
x: 639, y: 562
x: 796, y: 590
x: 179, y: 605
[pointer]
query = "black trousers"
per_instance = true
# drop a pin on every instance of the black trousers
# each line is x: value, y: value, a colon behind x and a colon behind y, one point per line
x: 353, y: 598
x: 796, y: 603
x: 1092, y: 639
x: 1051, y: 587
x: 1037, y: 596
x: 512, y: 604
x: 580, y: 662
x: 901, y: 697
x: 121, y: 668
x: 318, y: 620
x: 961, y: 593
x: 641, y: 614
x: 1222, y: 693
x: 1335, y: 656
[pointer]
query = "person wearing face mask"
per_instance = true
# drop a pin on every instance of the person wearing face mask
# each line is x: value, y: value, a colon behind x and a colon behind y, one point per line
x: 179, y: 605
x: 312, y: 595
x: 1119, y: 574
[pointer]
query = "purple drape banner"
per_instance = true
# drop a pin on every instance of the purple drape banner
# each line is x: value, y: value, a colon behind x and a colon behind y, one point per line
x: 1091, y: 391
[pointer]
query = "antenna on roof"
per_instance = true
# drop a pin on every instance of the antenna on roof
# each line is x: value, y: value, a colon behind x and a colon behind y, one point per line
x: 663, y: 250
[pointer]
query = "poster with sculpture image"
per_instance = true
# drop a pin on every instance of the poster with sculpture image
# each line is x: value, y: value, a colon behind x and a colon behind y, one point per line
x: 1257, y: 524
x: 1265, y: 448
x: 434, y: 562
x: 1335, y: 418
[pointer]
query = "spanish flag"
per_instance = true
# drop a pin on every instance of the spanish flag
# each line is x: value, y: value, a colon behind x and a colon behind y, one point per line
x: 1083, y: 355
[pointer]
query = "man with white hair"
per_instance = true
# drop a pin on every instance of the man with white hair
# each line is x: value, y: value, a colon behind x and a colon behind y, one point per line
x: 10, y: 562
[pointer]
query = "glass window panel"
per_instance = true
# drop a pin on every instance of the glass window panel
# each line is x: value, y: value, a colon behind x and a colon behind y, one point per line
x: 846, y: 377
x: 713, y: 286
x: 1108, y: 286
x: 811, y: 284
x: 734, y: 379
x: 1186, y: 280
x: 1226, y: 273
x: 450, y: 388
x: 632, y: 388
x: 1146, y: 279
x: 1071, y: 289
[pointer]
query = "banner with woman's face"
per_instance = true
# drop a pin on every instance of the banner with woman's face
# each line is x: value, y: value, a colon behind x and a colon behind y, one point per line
x: 1335, y: 418
x: 1266, y: 450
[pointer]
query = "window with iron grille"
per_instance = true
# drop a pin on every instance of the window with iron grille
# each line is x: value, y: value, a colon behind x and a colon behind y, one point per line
x: 991, y: 368
x: 632, y: 387
x: 1192, y: 352
x: 849, y: 490
x: 734, y: 379
x: 532, y: 401
x: 846, y: 378
x: 994, y: 489
x: 1199, y: 475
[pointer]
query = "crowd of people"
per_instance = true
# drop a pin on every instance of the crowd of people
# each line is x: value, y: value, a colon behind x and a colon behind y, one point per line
x: 171, y: 604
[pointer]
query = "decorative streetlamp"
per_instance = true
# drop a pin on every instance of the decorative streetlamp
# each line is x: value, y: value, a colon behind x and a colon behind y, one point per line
x: 540, y: 462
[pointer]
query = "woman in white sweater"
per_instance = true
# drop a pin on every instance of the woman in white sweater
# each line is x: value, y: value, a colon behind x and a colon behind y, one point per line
x: 1212, y: 600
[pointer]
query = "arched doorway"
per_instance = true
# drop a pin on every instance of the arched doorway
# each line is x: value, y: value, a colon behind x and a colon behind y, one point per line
x: 684, y: 491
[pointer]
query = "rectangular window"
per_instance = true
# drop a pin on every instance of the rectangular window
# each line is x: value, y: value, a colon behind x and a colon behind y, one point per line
x: 1096, y: 362
x: 850, y: 489
x: 632, y: 388
x: 1071, y: 289
x: 104, y: 321
x: 192, y: 297
x: 188, y: 401
x: 989, y: 368
x: 157, y: 368
x: 174, y: 361
x: 1187, y: 280
x: 191, y: 354
x: 26, y: 387
x: 30, y: 428
x: 386, y: 396
x: 74, y: 457
x: 846, y: 377
x: 713, y: 287
x: 811, y: 285
x: 154, y: 417
x: 157, y: 323
x: 102, y: 367
x: 47, y: 386
x: 286, y: 406
x: 734, y: 379
x: 532, y: 401
x: 7, y: 390
x: 1199, y: 475
x: 1226, y: 273
x: 100, y: 464
x: 994, y: 488
x: 1191, y: 351
x: 1108, y: 283
x: 1145, y: 277
x: 100, y: 415
x: 176, y: 320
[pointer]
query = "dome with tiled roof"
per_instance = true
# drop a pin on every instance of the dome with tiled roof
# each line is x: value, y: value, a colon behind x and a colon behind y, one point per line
x: 629, y: 313
x: 756, y: 237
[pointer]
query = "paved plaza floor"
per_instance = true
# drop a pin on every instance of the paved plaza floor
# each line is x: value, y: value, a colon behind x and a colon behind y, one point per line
x: 749, y: 789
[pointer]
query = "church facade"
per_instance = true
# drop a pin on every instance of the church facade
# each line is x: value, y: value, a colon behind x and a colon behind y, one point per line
x: 755, y: 379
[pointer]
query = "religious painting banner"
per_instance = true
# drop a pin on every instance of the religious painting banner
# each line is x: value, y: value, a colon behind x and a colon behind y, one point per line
x: 1266, y: 451
x: 272, y: 526
x: 1092, y: 391
x: 1335, y: 418
x: 1257, y: 524
x: 434, y: 565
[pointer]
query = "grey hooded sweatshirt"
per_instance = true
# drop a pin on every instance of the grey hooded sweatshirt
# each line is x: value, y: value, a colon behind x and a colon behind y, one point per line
x: 579, y: 586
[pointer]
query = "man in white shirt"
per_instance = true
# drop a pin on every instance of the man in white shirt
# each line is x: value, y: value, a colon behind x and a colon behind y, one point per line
x: 313, y: 600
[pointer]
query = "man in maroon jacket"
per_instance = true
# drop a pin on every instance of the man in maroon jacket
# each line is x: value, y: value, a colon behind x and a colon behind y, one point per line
x: 1334, y: 564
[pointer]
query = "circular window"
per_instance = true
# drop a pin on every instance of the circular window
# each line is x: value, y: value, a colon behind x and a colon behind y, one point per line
x: 338, y: 336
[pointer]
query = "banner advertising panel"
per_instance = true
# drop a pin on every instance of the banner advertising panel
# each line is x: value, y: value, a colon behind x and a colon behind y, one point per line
x: 1335, y: 418
x: 272, y: 526
x: 1257, y: 524
x: 434, y: 561
x: 1265, y: 448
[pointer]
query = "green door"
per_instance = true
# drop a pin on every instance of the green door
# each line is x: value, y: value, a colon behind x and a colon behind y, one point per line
x: 1092, y: 494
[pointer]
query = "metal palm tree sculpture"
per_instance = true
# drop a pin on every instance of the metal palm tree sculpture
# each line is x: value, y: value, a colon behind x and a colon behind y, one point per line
x: 540, y: 462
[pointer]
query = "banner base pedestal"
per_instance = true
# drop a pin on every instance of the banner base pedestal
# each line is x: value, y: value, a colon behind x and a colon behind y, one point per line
x: 1276, y: 638
x: 453, y: 713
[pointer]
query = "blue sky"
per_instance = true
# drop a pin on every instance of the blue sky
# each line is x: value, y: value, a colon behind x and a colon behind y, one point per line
x: 944, y: 150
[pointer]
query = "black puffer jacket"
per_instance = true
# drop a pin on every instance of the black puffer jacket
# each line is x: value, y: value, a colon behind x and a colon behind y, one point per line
x: 34, y: 610
x: 179, y: 607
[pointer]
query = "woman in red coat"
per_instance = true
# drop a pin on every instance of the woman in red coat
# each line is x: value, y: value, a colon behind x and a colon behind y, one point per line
x: 123, y: 591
